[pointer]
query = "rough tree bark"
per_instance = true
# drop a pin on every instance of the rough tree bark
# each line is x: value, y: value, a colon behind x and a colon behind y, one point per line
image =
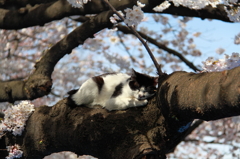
x: 150, y: 131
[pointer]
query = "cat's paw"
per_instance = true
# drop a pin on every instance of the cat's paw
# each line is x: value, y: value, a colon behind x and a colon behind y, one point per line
x: 145, y: 102
x: 141, y: 102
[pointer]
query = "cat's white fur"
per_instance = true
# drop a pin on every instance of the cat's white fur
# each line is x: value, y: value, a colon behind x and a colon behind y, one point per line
x: 89, y: 95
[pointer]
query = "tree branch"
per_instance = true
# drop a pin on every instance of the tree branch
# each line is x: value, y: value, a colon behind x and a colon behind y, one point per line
x: 39, y: 82
x: 152, y: 130
x: 157, y: 66
x: 43, y: 13
x: 160, y: 46
x: 206, y: 13
x: 16, y: 4
x: 206, y: 96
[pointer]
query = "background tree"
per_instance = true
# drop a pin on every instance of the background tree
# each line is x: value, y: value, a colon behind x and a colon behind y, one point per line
x: 36, y: 36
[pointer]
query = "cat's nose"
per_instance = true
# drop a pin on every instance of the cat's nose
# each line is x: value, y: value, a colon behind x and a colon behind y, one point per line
x: 141, y: 96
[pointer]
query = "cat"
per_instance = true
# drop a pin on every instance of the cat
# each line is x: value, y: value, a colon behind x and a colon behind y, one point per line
x: 115, y: 91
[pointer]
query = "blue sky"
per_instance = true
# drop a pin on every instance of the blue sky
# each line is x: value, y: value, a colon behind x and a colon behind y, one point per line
x: 214, y: 34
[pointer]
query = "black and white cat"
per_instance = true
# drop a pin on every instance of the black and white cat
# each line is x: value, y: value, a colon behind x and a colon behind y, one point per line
x: 115, y: 91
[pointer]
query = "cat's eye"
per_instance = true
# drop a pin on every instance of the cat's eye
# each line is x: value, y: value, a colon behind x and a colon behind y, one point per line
x: 134, y: 85
x: 151, y: 89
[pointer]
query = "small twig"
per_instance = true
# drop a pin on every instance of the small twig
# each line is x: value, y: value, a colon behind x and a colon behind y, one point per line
x: 160, y: 46
x: 3, y: 149
x: 158, y: 67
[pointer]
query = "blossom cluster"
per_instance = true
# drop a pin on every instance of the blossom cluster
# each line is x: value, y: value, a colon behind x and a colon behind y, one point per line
x: 15, y: 118
x: 162, y: 6
x: 232, y: 9
x: 78, y: 3
x: 196, y: 4
x: 115, y: 17
x: 187, y: 3
x: 229, y: 62
x: 133, y: 16
x: 14, y: 152
x: 233, y: 13
x: 66, y: 155
x: 237, y: 39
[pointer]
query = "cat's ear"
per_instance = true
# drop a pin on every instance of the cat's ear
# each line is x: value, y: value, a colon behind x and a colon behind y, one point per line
x: 155, y: 80
x: 134, y: 74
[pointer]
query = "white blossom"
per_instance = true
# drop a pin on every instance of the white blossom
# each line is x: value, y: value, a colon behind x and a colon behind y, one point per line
x: 162, y: 6
x: 233, y: 13
x: 115, y: 17
x: 235, y: 56
x: 113, y: 20
x: 220, y: 51
x: 67, y: 155
x: 16, y: 117
x: 133, y: 16
x: 114, y: 39
x: 237, y: 39
x: 14, y: 152
x: 229, y: 62
x: 199, y: 4
x: 140, y: 4
x: 78, y: 3
x: 229, y: 2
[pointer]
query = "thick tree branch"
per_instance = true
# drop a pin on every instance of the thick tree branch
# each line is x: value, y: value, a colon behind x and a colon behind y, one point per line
x: 35, y: 15
x: 43, y: 13
x: 206, y: 96
x: 125, y: 30
x: 15, y: 4
x: 39, y: 82
x: 205, y: 13
x: 153, y: 129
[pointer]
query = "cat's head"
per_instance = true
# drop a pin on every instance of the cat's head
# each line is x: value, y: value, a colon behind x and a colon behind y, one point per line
x: 145, y: 85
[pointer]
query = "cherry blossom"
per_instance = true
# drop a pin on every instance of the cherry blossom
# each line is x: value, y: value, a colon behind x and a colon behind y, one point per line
x: 67, y: 155
x: 162, y: 6
x: 14, y: 152
x: 229, y: 62
x: 78, y: 3
x: 133, y: 16
x: 16, y: 117
x: 237, y: 39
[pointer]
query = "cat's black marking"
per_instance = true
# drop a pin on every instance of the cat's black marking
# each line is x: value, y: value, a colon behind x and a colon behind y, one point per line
x: 99, y: 81
x: 117, y: 91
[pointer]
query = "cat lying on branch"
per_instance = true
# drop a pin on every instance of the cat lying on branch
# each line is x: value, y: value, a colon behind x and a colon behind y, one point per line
x: 115, y: 91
